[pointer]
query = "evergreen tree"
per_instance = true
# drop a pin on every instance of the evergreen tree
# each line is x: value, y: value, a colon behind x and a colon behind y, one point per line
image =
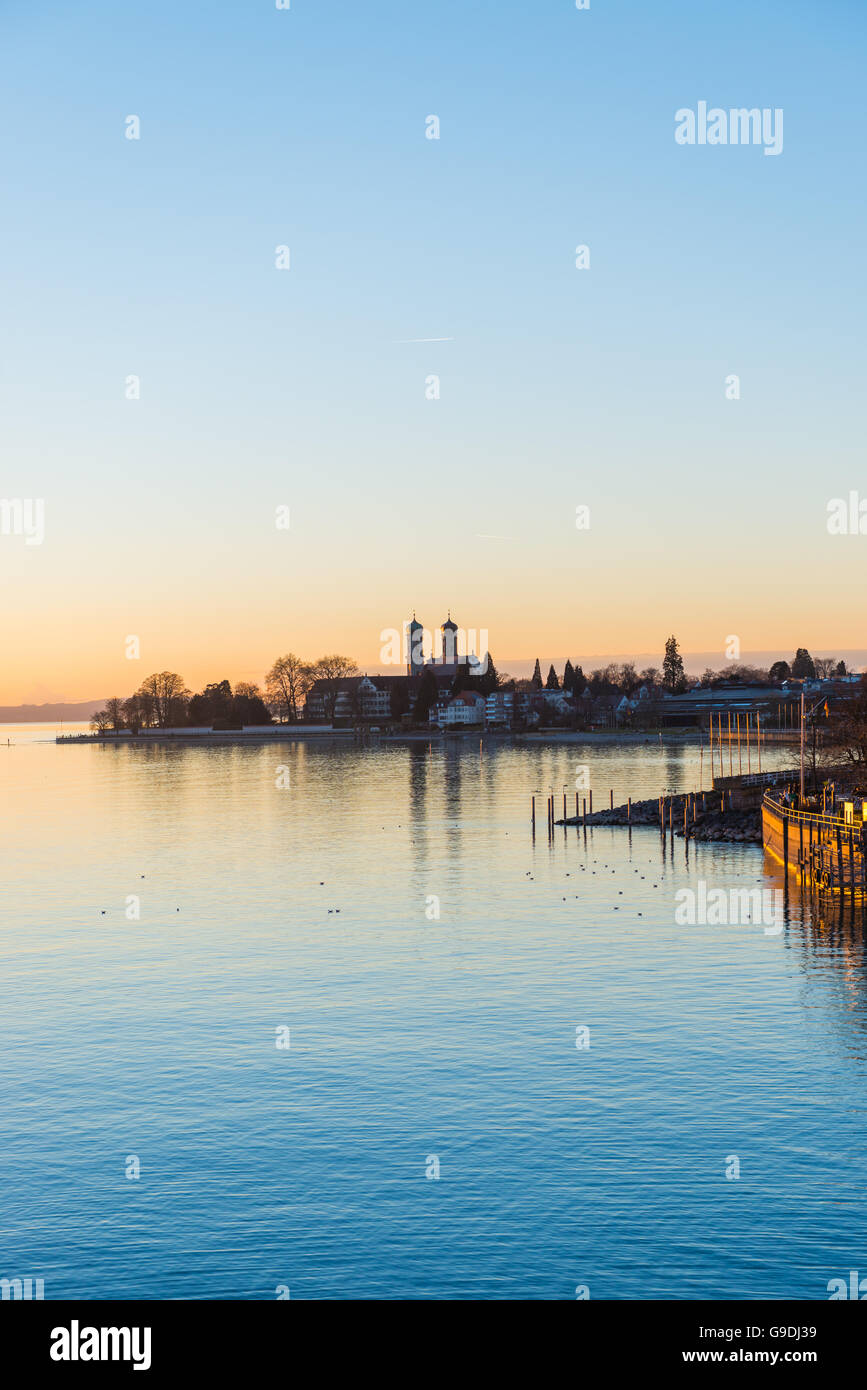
x: 427, y: 695
x: 399, y: 699
x: 673, y: 677
x: 780, y: 671
x: 489, y: 681
x: 802, y: 666
x: 568, y: 678
x: 579, y: 681
x: 552, y: 682
x: 537, y: 676
x: 841, y: 669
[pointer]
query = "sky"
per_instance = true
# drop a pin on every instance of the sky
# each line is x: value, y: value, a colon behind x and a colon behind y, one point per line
x: 310, y: 387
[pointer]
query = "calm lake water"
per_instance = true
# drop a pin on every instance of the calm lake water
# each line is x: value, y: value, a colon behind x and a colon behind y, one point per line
x: 311, y: 907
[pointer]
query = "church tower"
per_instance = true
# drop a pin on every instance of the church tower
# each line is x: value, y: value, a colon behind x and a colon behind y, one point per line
x: 450, y: 641
x: 414, y: 648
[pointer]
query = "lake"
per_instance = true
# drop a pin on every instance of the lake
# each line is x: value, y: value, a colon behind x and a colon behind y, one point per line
x: 288, y: 985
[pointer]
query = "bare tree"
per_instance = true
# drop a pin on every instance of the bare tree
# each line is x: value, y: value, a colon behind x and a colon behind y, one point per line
x: 114, y: 710
x: 825, y: 666
x: 847, y: 738
x: 100, y: 722
x: 331, y: 670
x: 169, y: 695
x: 286, y: 685
x: 133, y: 713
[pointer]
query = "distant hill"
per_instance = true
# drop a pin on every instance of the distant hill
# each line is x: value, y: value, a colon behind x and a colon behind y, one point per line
x: 38, y: 714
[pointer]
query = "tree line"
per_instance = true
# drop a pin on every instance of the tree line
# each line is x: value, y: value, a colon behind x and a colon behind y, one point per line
x: 163, y: 701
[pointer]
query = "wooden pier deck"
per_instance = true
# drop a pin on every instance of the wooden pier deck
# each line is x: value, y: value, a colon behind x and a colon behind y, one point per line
x: 827, y: 853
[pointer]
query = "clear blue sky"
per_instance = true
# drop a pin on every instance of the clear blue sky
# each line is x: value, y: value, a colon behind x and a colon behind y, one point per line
x: 261, y: 127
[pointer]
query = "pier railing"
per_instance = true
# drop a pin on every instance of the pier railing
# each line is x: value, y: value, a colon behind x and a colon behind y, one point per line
x: 799, y: 817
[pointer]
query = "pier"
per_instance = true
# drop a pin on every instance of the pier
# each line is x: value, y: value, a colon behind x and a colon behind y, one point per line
x: 825, y: 852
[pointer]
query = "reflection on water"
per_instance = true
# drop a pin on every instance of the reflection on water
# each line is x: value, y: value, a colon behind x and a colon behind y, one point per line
x: 307, y: 905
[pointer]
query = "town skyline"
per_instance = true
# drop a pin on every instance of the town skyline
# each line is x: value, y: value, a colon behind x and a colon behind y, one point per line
x: 695, y: 665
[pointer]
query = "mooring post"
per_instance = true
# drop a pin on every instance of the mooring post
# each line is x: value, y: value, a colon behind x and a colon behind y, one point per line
x: 585, y: 813
x: 533, y: 811
x: 611, y: 797
x: 591, y: 802
x: 629, y: 808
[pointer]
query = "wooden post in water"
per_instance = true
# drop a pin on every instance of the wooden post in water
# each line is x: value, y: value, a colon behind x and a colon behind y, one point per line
x: 840, y: 859
x: 629, y: 808
x: 740, y: 765
x: 591, y: 803
x: 577, y: 812
x: 533, y: 811
x: 585, y: 813
x: 759, y: 738
x: 731, y: 766
x: 611, y: 795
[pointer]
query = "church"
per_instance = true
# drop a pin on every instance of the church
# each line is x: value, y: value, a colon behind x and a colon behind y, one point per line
x: 445, y: 658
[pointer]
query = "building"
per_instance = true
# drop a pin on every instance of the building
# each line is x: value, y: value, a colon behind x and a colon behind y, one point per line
x: 465, y: 709
x: 357, y: 699
x: 505, y: 706
x: 445, y: 658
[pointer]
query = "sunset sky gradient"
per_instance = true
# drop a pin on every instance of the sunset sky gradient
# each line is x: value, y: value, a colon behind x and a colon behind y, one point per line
x: 559, y: 387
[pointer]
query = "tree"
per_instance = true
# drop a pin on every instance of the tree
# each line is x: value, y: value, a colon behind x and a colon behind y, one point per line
x: 482, y: 677
x: 101, y: 721
x: 399, y: 699
x: 146, y: 706
x: 427, y: 696
x: 552, y: 682
x: 803, y: 667
x: 133, y: 714
x: 169, y: 696
x: 537, y: 676
x: 248, y: 707
x: 286, y: 685
x: 213, y: 705
x: 780, y: 671
x: 579, y: 682
x: 114, y: 710
x: 840, y: 669
x: 848, y: 733
x: 330, y: 671
x: 824, y: 667
x: 568, y: 677
x: 673, y: 677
